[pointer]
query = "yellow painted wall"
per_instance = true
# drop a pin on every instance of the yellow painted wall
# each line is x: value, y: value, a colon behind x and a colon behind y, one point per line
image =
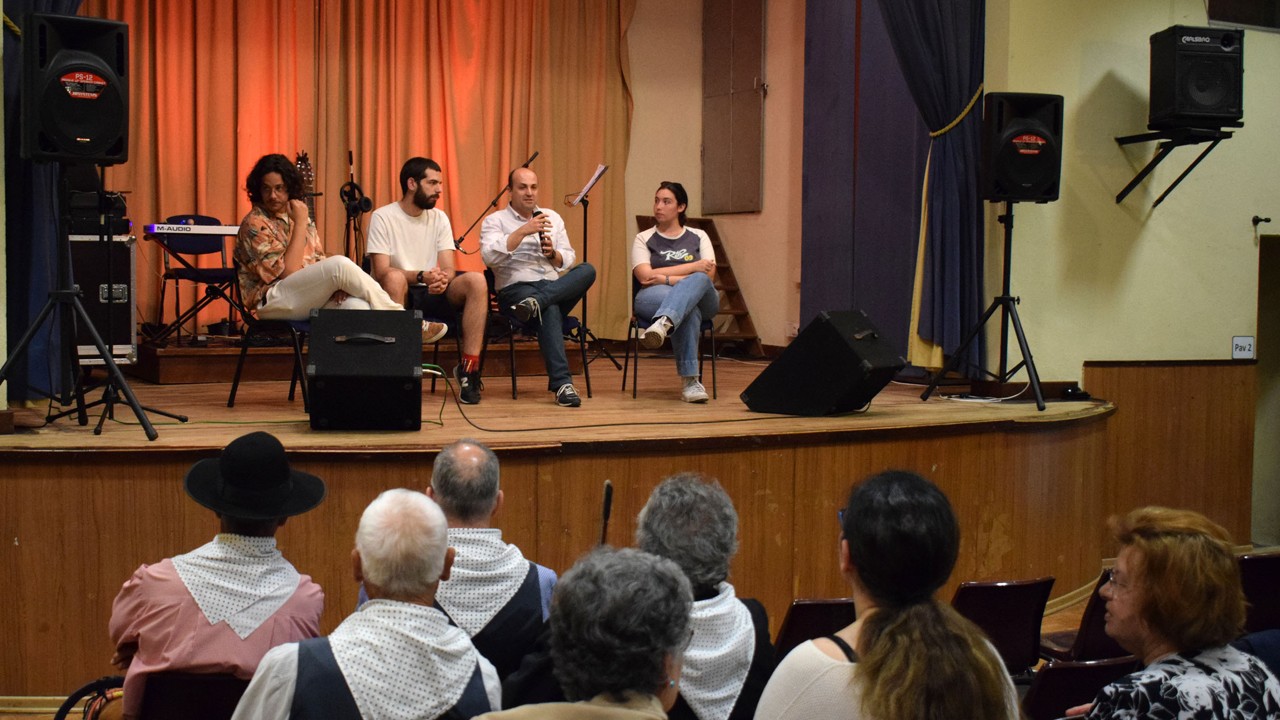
x: 1101, y: 281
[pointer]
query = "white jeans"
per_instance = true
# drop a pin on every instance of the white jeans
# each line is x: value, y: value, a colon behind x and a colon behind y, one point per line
x: 295, y: 296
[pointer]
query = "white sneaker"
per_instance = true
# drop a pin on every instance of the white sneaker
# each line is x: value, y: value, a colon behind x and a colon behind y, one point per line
x: 656, y: 334
x: 694, y: 392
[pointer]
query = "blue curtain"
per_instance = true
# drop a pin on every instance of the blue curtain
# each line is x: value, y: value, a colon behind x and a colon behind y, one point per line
x: 31, y: 225
x: 939, y: 45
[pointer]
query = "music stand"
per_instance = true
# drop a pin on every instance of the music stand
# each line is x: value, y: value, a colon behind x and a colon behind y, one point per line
x: 584, y: 201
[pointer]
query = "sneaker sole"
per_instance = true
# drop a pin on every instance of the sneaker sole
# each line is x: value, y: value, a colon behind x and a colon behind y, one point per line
x: 561, y: 403
x: 651, y: 340
x: 702, y: 399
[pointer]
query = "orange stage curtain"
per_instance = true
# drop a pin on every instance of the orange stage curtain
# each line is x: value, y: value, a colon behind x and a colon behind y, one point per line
x: 477, y: 85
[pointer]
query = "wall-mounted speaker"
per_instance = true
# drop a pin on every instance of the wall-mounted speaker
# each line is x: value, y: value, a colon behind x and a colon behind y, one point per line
x: 1197, y: 77
x: 75, y: 89
x: 835, y: 365
x: 1021, y: 147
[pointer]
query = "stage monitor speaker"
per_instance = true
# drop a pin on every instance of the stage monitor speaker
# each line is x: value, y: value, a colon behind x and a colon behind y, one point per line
x: 364, y: 370
x: 1196, y: 77
x: 75, y: 90
x: 835, y: 365
x: 1021, y: 147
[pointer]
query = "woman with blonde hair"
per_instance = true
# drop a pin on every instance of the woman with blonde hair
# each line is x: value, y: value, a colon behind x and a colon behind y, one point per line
x: 907, y: 656
x: 1174, y: 600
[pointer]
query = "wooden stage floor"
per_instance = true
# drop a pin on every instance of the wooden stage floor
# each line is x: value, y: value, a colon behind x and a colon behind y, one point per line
x: 610, y: 419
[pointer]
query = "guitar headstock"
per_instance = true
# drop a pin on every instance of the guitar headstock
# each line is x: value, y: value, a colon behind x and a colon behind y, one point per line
x: 303, y: 164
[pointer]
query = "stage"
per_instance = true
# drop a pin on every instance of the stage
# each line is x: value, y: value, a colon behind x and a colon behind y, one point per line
x: 82, y: 511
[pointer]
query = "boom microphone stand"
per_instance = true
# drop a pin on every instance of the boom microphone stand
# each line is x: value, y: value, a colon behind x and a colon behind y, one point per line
x: 1008, y: 305
x: 493, y: 205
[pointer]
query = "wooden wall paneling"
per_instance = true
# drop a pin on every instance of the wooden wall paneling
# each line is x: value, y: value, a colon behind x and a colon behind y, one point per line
x: 758, y: 481
x: 1182, y: 436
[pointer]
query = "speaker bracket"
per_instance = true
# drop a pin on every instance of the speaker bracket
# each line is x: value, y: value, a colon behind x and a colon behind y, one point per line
x: 1169, y: 139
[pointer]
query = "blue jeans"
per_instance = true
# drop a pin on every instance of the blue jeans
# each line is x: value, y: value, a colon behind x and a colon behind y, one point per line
x: 686, y: 303
x: 556, y: 298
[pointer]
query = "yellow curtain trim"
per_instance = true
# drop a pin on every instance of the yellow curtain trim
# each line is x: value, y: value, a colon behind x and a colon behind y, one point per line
x: 13, y: 26
x: 972, y: 101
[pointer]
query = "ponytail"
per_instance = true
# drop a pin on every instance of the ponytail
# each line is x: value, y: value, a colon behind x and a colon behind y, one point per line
x: 924, y: 661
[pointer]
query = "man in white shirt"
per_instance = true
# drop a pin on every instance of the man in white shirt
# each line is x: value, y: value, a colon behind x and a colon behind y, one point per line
x: 529, y: 252
x: 410, y: 246
x: 397, y: 656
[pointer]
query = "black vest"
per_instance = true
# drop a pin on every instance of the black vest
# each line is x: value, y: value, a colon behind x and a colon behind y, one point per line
x: 318, y: 695
x: 514, y: 630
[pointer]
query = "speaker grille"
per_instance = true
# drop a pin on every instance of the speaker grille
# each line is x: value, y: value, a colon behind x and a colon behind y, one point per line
x: 1196, y: 78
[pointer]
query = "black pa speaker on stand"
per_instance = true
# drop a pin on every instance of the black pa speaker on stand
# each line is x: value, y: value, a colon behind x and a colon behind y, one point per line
x: 75, y: 90
x: 835, y: 365
x: 1021, y: 147
x: 1196, y: 77
x: 364, y: 370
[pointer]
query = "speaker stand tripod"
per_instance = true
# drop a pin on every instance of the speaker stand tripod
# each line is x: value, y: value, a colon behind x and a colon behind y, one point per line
x: 65, y: 298
x: 1008, y: 305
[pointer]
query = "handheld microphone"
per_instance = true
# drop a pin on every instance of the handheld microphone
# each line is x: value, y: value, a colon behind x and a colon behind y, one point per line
x: 530, y: 160
x: 542, y: 235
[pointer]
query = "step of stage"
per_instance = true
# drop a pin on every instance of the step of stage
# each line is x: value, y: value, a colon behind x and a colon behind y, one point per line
x: 215, y: 359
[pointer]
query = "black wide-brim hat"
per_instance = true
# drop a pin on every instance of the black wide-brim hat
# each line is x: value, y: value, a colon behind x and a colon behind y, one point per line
x: 252, y: 480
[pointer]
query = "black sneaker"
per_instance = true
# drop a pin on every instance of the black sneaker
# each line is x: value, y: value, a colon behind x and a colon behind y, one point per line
x: 526, y: 309
x: 566, y: 396
x: 468, y: 385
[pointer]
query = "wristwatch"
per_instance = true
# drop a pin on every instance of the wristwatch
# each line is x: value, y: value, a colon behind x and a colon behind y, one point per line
x: 420, y: 277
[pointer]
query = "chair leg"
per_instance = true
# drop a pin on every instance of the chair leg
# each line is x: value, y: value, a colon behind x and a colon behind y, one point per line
x: 511, y: 355
x: 715, y: 395
x: 235, y: 381
x: 582, y: 348
x: 435, y: 360
x: 299, y: 372
x: 626, y: 357
x: 635, y: 348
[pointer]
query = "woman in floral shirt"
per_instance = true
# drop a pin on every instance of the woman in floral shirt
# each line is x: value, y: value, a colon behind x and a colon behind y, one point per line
x: 1174, y: 600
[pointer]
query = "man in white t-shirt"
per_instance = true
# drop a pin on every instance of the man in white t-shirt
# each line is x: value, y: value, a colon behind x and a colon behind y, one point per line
x: 410, y: 246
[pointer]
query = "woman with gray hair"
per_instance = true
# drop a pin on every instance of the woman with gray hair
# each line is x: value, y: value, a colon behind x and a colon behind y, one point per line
x: 691, y: 520
x: 619, y: 626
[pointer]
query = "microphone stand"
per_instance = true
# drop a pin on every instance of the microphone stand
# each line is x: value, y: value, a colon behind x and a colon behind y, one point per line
x: 493, y: 204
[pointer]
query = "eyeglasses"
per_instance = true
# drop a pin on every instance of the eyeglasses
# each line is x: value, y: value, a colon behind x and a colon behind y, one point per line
x: 1117, y: 584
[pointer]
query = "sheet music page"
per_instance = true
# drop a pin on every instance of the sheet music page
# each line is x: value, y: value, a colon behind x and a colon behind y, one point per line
x: 590, y: 183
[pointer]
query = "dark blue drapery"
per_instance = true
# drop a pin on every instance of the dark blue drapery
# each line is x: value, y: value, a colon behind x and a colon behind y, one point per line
x: 31, y: 224
x: 939, y: 45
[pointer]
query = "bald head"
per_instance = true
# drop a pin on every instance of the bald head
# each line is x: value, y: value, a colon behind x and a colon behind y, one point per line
x: 464, y: 481
x: 524, y: 191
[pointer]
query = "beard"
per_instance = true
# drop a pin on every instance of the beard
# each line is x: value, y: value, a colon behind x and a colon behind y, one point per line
x: 423, y: 200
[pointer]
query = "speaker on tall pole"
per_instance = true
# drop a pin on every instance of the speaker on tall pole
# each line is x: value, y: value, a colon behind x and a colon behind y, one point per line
x: 75, y: 90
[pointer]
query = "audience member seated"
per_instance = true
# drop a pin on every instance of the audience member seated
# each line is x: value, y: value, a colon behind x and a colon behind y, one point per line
x: 691, y: 521
x: 395, y: 657
x: 497, y: 596
x: 907, y: 656
x: 619, y: 625
x: 222, y: 606
x: 1174, y: 600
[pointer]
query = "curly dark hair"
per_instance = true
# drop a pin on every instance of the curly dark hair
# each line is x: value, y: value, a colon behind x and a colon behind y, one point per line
x: 615, y: 618
x: 273, y: 163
